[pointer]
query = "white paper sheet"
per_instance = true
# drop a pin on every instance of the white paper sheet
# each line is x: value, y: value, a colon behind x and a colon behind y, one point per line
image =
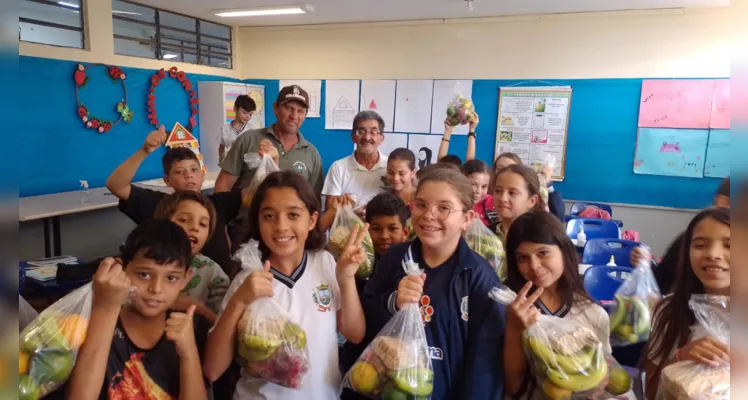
x: 379, y: 96
x: 341, y: 103
x: 444, y: 92
x: 313, y: 87
x: 413, y: 106
x: 425, y: 148
x: 393, y: 141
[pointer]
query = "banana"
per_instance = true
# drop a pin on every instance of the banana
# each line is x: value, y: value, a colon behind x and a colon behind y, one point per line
x: 619, y: 314
x: 589, y: 379
x: 569, y: 364
x: 643, y: 317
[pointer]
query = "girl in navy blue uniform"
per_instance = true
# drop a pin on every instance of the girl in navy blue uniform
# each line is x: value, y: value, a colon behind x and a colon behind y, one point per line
x: 464, y: 327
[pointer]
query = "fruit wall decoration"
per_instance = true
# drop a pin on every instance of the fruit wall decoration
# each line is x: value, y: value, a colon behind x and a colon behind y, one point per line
x: 186, y: 85
x: 101, y: 125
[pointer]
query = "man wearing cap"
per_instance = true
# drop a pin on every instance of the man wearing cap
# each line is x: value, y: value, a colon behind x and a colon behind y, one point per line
x: 282, y: 141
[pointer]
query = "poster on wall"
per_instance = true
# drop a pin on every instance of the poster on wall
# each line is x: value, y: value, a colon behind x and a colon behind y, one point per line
x: 676, y: 103
x: 445, y: 92
x: 341, y: 103
x: 425, y: 148
x: 312, y: 87
x: 533, y: 123
x: 720, y: 118
x: 413, y: 105
x: 257, y: 93
x: 718, y: 154
x: 671, y: 152
x: 379, y: 96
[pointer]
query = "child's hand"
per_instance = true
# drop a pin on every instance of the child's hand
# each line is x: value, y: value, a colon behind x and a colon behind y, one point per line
x: 111, y: 285
x: 547, y: 172
x: 410, y: 290
x: 258, y: 284
x: 179, y: 330
x: 267, y: 147
x: 639, y: 255
x: 353, y: 254
x: 706, y: 350
x: 447, y: 129
x: 522, y: 311
x: 473, y: 123
x: 154, y: 140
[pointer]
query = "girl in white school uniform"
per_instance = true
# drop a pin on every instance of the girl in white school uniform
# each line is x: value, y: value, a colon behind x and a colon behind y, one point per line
x: 297, y: 275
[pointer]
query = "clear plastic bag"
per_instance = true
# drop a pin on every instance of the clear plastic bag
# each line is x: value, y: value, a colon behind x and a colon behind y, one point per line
x: 49, y: 345
x: 487, y: 245
x: 26, y: 313
x: 270, y: 344
x: 635, y: 301
x: 264, y: 166
x: 567, y: 359
x: 396, y: 364
x: 460, y: 110
x: 550, y: 162
x: 342, y: 226
x: 689, y: 380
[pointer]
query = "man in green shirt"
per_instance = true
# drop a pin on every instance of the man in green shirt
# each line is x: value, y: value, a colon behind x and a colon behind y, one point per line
x: 282, y: 141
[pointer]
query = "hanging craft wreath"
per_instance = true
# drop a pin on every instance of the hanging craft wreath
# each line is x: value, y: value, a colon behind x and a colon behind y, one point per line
x: 90, y: 121
x: 186, y: 85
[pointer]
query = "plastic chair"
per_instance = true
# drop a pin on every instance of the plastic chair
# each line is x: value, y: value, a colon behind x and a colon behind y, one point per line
x: 601, y: 282
x: 581, y: 205
x: 593, y: 228
x: 598, y: 251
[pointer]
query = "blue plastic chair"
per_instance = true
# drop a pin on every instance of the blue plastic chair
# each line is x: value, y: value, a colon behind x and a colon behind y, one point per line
x: 577, y: 207
x: 598, y: 251
x: 593, y: 228
x: 601, y: 282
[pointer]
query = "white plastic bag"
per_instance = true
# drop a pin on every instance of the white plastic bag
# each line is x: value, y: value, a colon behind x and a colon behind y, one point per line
x: 635, y: 301
x: 567, y: 359
x: 49, y: 345
x: 689, y: 380
x: 487, y: 245
x: 460, y: 110
x: 342, y: 226
x: 550, y: 162
x: 270, y: 344
x: 264, y: 166
x: 396, y: 364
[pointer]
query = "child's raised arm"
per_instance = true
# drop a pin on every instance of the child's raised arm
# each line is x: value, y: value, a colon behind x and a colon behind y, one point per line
x: 350, y: 317
x: 470, y: 153
x: 444, y: 146
x: 120, y: 180
x: 521, y: 314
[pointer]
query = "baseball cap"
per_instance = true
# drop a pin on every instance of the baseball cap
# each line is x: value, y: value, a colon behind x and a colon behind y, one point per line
x: 293, y: 92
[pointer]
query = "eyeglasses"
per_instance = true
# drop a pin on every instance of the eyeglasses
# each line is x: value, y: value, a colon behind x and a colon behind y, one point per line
x: 364, y: 131
x: 439, y: 211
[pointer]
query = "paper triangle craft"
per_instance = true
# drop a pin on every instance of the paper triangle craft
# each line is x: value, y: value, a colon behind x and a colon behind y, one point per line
x: 181, y: 137
x: 372, y: 105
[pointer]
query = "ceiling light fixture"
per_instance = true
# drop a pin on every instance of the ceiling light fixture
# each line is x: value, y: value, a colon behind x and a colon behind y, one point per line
x: 265, y: 11
x: 125, y: 12
x: 71, y: 5
x: 169, y: 56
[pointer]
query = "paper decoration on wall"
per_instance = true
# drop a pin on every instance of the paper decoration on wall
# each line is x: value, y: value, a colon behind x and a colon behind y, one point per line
x: 186, y: 85
x: 444, y: 93
x: 671, y: 152
x: 718, y: 154
x: 257, y: 93
x: 313, y: 87
x: 341, y: 103
x: 425, y: 148
x: 181, y: 137
x: 413, y: 105
x: 379, y: 96
x: 720, y: 105
x: 676, y: 104
x: 81, y: 78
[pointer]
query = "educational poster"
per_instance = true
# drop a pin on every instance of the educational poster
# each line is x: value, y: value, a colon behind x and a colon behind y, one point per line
x: 718, y: 154
x: 257, y: 93
x: 425, y: 148
x: 393, y: 141
x: 379, y: 96
x: 413, y: 105
x: 313, y: 87
x: 671, y: 152
x: 230, y: 93
x: 720, y: 118
x: 676, y: 104
x: 341, y: 103
x: 444, y: 92
x: 533, y: 124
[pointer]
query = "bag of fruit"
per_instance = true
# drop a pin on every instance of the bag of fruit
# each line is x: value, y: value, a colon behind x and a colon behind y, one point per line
x: 635, y: 300
x: 689, y: 380
x: 487, y: 245
x: 460, y: 110
x: 396, y: 364
x: 270, y: 344
x: 263, y: 166
x: 49, y: 344
x: 567, y: 359
x: 342, y: 226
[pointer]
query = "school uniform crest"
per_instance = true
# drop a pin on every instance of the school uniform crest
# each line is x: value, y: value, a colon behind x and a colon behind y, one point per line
x: 300, y: 167
x: 322, y: 297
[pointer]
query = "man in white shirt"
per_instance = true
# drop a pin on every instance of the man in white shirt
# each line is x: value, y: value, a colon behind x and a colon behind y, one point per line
x: 360, y: 175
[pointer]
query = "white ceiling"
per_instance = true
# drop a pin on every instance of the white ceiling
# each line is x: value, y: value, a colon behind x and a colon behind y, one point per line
x: 341, y: 11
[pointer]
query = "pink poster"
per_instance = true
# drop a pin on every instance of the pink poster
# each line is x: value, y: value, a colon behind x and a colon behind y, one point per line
x: 721, y: 105
x: 676, y: 104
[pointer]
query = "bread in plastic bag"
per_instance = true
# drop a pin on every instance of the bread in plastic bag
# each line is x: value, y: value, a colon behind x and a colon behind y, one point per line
x: 270, y: 344
x: 396, y: 364
x: 342, y: 226
x: 689, y: 380
x: 263, y: 166
x: 635, y: 301
x: 487, y: 245
x: 567, y: 359
x: 460, y: 110
x: 49, y: 345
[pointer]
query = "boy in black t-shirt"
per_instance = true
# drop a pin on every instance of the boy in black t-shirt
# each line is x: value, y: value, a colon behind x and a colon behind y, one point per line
x: 182, y: 172
x: 142, y: 349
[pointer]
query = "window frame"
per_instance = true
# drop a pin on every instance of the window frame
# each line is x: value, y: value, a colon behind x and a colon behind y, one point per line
x: 81, y: 30
x: 198, y: 52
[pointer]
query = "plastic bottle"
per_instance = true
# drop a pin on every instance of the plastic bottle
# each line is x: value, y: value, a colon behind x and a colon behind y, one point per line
x: 612, y: 262
x: 581, y: 236
x: 84, y: 197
